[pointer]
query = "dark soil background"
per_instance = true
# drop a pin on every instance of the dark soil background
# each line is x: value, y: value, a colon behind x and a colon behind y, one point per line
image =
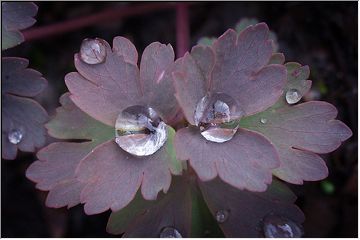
x: 321, y: 35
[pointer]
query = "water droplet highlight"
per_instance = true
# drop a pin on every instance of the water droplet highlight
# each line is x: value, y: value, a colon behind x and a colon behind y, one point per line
x: 93, y: 51
x: 293, y: 96
x: 215, y: 115
x: 221, y: 216
x: 15, y: 136
x: 263, y: 120
x: 280, y: 227
x: 140, y: 131
x: 170, y: 232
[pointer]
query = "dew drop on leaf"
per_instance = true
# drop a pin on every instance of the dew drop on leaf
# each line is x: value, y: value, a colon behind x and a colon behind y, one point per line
x: 170, y: 232
x: 280, y: 227
x: 215, y: 114
x: 263, y: 120
x: 140, y: 131
x: 93, y: 51
x: 15, y: 136
x: 221, y: 216
x: 292, y: 96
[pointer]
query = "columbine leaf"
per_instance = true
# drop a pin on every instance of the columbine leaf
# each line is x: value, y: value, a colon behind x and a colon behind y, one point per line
x: 22, y: 115
x: 240, y: 69
x: 298, y: 132
x: 245, y: 22
x: 55, y: 169
x: 143, y: 218
x: 103, y: 90
x: 244, y: 162
x: 15, y: 16
x: 247, y: 210
x: 297, y: 78
x: 113, y: 177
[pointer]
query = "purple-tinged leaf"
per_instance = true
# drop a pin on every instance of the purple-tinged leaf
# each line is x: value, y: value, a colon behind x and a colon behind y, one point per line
x: 297, y: 78
x: 19, y: 80
x: 244, y: 162
x: 113, y: 177
x: 123, y: 47
x: 246, y: 211
x: 103, y: 90
x: 54, y: 172
x: 157, y: 63
x: 55, y: 169
x: 143, y: 218
x: 236, y: 64
x: 25, y: 118
x: 190, y: 85
x: 298, y: 132
x: 246, y: 22
x: 15, y: 16
x: 240, y: 69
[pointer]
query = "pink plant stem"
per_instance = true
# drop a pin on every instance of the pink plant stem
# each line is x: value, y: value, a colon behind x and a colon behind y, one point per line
x: 115, y: 13
x: 182, y: 29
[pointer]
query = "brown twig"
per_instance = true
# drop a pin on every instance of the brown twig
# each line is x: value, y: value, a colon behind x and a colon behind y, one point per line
x: 115, y: 13
x: 182, y: 29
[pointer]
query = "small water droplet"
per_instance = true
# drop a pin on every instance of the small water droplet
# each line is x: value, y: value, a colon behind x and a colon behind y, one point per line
x: 215, y: 115
x: 221, y: 216
x: 280, y: 227
x: 15, y: 136
x: 93, y: 51
x: 263, y: 120
x: 170, y: 232
x: 140, y: 131
x: 292, y: 96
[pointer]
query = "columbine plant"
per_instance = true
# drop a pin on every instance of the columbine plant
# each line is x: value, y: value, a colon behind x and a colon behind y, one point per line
x: 244, y: 126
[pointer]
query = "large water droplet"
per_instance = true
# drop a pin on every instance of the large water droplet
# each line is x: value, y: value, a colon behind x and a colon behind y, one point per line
x: 93, y: 51
x: 221, y: 216
x: 215, y: 114
x: 263, y: 120
x: 140, y: 131
x: 280, y: 227
x: 170, y: 232
x: 293, y: 96
x: 15, y: 136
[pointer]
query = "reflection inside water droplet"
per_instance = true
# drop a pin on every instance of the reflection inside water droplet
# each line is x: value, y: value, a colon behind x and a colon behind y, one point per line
x: 293, y: 96
x: 93, y: 51
x: 280, y: 227
x: 15, y: 136
x: 221, y: 216
x: 170, y: 232
x: 263, y: 120
x: 215, y: 114
x: 140, y: 131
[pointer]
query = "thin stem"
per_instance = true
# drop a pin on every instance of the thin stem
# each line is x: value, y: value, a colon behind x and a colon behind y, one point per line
x: 114, y: 13
x: 182, y: 29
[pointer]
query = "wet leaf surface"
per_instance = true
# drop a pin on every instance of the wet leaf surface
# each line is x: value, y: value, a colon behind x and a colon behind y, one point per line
x: 298, y: 133
x: 244, y: 162
x: 55, y: 169
x: 113, y: 176
x: 15, y: 16
x: 23, y: 118
x: 143, y: 218
x: 103, y: 90
x: 246, y: 210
